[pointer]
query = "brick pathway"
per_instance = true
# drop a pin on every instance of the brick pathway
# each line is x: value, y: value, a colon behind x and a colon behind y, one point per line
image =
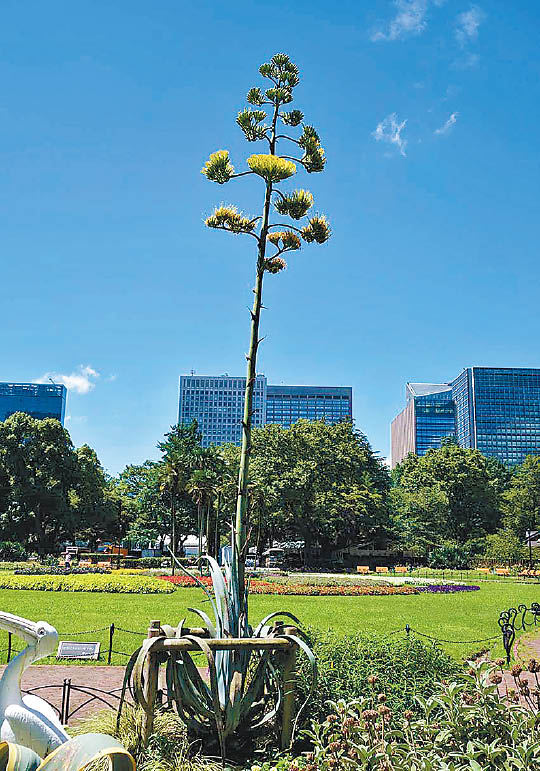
x: 104, y: 678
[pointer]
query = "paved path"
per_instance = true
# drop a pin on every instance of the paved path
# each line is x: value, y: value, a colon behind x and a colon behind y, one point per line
x: 88, y: 677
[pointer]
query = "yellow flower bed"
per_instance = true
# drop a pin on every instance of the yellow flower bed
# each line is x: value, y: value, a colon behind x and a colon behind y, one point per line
x: 123, y: 584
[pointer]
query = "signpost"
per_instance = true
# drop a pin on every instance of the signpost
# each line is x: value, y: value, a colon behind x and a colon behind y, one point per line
x: 78, y: 650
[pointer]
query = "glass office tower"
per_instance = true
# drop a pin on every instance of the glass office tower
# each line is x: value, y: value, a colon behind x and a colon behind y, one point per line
x: 40, y: 400
x: 217, y: 403
x: 287, y: 404
x: 429, y: 417
x: 496, y: 410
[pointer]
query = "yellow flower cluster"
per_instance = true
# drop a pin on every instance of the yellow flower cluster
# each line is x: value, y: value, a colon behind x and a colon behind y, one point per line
x: 271, y: 168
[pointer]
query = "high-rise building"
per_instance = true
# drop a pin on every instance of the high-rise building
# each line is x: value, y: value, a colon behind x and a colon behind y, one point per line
x: 494, y: 410
x: 40, y: 400
x: 287, y: 404
x: 217, y: 403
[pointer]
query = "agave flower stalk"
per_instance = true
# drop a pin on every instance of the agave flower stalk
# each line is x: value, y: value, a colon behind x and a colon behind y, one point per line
x: 262, y: 125
x: 242, y: 699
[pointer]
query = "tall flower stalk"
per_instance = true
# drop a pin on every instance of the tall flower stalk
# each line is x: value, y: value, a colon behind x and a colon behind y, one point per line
x: 264, y: 125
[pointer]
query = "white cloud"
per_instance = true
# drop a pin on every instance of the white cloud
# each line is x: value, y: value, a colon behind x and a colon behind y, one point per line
x: 81, y: 381
x: 447, y: 125
x: 389, y: 130
x: 410, y: 19
x: 467, y: 24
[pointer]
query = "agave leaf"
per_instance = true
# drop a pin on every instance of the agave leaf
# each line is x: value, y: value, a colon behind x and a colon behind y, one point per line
x: 218, y: 715
x: 209, y: 625
x: 220, y: 594
x: 197, y: 581
x: 269, y: 617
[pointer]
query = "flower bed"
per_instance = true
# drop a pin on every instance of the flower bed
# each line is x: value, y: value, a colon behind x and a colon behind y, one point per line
x: 265, y: 587
x: 448, y: 588
x: 87, y: 583
x: 319, y: 590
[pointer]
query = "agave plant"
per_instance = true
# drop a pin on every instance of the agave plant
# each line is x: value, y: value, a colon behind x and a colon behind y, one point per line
x: 244, y: 693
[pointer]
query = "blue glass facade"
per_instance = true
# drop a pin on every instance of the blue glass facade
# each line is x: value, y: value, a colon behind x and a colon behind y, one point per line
x: 435, y: 419
x: 496, y: 410
x: 40, y: 400
x: 505, y: 412
x: 217, y: 403
x: 287, y: 404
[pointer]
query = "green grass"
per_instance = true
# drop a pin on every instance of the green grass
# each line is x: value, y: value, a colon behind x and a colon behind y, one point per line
x: 460, y: 616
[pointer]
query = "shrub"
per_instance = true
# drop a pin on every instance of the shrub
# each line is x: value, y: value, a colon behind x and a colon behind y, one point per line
x: 87, y: 583
x: 405, y: 668
x: 451, y: 557
x: 464, y: 725
x: 11, y: 551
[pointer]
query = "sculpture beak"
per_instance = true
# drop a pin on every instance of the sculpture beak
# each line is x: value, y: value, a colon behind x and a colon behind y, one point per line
x: 26, y: 630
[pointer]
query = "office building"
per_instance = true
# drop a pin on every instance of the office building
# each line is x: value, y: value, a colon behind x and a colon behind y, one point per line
x: 494, y: 410
x: 217, y: 403
x: 40, y: 400
x: 287, y: 404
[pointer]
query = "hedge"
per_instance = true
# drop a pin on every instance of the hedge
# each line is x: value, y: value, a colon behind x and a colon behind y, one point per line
x: 88, y: 583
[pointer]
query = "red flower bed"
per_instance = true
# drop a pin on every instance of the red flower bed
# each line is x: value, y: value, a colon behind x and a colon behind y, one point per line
x: 266, y: 587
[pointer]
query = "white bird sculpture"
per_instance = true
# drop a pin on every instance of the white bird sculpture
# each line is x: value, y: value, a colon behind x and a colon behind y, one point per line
x: 28, y: 720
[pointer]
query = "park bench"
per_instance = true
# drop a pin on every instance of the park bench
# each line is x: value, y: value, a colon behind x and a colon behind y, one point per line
x: 502, y: 572
x: 85, y: 564
x: 381, y: 570
x: 484, y: 570
x: 362, y: 569
x: 104, y: 565
x: 401, y: 569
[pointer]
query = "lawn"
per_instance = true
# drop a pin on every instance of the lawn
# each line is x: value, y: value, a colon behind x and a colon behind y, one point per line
x: 462, y: 616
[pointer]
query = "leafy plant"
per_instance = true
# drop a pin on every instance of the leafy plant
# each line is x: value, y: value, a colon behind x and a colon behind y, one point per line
x: 464, y: 726
x: 451, y: 557
x: 404, y: 667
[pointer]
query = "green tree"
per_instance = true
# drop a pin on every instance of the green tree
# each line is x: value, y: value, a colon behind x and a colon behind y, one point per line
x: 40, y: 464
x: 322, y: 483
x: 419, y: 518
x: 521, y: 501
x: 273, y: 169
x: 181, y: 455
x: 505, y: 546
x: 95, y: 511
x: 463, y: 476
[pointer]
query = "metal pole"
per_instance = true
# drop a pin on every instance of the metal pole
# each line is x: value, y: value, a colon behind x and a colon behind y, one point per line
x: 9, y: 648
x: 111, y: 635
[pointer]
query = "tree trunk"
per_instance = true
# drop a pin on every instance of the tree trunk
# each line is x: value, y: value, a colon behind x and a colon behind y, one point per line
x: 216, y: 533
x: 173, y: 532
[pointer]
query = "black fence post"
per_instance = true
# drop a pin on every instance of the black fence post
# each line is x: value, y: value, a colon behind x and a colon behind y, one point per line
x: 111, y: 635
x: 9, y: 648
x: 408, y: 630
x: 68, y: 694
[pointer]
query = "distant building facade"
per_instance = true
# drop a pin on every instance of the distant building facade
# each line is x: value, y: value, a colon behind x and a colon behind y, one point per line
x: 287, y: 404
x: 494, y: 410
x: 40, y: 400
x: 217, y: 403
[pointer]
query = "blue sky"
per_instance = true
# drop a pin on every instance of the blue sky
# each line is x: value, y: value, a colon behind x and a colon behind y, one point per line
x: 429, y: 114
